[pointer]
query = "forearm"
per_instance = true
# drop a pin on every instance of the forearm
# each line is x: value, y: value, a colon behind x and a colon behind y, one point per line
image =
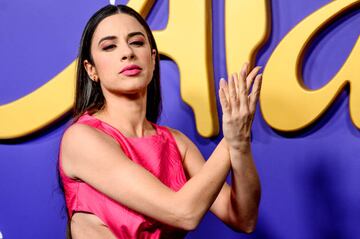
x: 245, y: 188
x: 199, y: 193
x: 238, y: 98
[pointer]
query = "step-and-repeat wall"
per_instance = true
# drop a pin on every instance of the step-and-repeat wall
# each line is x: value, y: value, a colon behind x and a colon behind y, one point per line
x: 305, y: 136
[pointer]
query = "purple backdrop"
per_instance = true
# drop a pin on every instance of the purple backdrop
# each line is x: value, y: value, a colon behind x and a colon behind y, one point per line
x: 310, y: 180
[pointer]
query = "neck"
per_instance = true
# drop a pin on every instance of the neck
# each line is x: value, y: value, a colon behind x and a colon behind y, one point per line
x: 127, y: 113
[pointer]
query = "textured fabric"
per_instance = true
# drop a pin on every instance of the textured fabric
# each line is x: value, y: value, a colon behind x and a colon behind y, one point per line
x: 158, y: 154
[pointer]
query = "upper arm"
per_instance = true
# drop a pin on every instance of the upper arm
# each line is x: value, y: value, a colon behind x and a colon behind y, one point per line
x: 97, y: 159
x: 193, y: 161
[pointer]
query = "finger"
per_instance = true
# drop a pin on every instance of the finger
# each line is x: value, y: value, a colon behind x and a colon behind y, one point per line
x: 236, y: 81
x: 245, y: 69
x: 225, y: 87
x: 222, y: 96
x: 232, y: 91
x: 255, y: 93
x: 242, y: 90
x: 236, y: 85
x: 250, y: 78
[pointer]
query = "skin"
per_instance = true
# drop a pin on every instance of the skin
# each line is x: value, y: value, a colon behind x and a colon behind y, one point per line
x: 92, y: 156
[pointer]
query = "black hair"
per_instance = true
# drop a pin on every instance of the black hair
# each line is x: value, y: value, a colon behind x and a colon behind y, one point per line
x: 88, y: 93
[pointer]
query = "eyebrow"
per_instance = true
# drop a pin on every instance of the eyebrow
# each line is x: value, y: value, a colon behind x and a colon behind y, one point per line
x: 131, y: 34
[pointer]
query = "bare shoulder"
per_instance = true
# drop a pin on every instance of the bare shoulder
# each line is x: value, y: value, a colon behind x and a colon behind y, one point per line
x: 77, y: 133
x: 191, y: 155
x: 78, y: 141
x: 183, y: 142
x: 178, y: 135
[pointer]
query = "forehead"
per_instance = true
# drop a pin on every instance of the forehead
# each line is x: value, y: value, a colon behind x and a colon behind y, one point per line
x: 118, y: 25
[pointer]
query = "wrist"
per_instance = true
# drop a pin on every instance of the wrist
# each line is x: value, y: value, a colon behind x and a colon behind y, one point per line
x: 242, y: 147
x: 239, y: 158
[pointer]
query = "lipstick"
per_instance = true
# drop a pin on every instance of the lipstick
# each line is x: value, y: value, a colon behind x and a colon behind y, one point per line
x: 131, y: 70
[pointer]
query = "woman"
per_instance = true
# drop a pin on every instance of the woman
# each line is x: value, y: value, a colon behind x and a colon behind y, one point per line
x: 126, y: 177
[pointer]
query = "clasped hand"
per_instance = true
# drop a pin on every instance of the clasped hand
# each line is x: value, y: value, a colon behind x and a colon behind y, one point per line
x: 238, y: 104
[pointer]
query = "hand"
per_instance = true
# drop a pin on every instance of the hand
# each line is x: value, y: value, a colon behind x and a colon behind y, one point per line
x: 238, y: 105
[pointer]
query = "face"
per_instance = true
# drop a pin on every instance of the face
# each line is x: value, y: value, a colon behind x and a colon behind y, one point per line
x: 123, y: 59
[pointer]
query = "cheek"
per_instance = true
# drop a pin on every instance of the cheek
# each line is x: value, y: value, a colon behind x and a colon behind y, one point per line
x: 150, y: 62
x: 103, y: 65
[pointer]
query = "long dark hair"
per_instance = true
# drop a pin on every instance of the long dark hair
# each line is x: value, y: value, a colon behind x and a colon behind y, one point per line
x: 88, y: 94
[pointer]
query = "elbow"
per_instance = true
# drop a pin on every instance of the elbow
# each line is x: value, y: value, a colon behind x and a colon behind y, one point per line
x: 189, y: 225
x: 246, y: 226
x: 188, y: 219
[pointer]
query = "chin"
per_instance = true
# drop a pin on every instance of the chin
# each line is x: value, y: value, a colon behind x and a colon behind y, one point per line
x: 135, y: 90
x: 131, y: 85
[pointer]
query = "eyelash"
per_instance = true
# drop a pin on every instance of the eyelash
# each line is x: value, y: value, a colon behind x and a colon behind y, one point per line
x: 108, y: 47
x: 136, y: 43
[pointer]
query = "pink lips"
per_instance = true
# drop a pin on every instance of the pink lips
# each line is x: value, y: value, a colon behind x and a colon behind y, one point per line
x: 131, y: 70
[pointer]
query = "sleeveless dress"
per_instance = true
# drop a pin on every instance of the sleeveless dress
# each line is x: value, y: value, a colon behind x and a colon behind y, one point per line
x: 158, y: 154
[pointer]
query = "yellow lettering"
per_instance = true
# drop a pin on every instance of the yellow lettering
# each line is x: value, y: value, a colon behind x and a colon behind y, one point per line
x: 49, y: 102
x: 39, y: 108
x: 141, y: 6
x: 187, y: 41
x: 286, y: 103
x: 246, y: 29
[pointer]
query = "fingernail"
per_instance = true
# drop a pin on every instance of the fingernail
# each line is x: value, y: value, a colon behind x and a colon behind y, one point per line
x: 222, y: 82
x: 245, y: 65
x: 243, y: 73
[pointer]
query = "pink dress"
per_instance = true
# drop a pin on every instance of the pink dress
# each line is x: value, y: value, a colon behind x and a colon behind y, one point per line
x: 158, y: 154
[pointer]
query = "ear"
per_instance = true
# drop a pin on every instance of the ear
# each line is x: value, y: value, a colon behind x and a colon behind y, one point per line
x: 153, y: 57
x: 91, y: 70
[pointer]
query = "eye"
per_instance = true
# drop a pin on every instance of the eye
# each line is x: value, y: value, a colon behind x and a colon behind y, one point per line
x: 137, y: 43
x: 109, y: 47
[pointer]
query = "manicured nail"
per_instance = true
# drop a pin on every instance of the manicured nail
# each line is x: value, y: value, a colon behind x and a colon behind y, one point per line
x: 222, y: 82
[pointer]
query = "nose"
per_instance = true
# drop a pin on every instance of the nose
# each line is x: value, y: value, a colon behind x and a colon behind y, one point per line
x: 127, y: 53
